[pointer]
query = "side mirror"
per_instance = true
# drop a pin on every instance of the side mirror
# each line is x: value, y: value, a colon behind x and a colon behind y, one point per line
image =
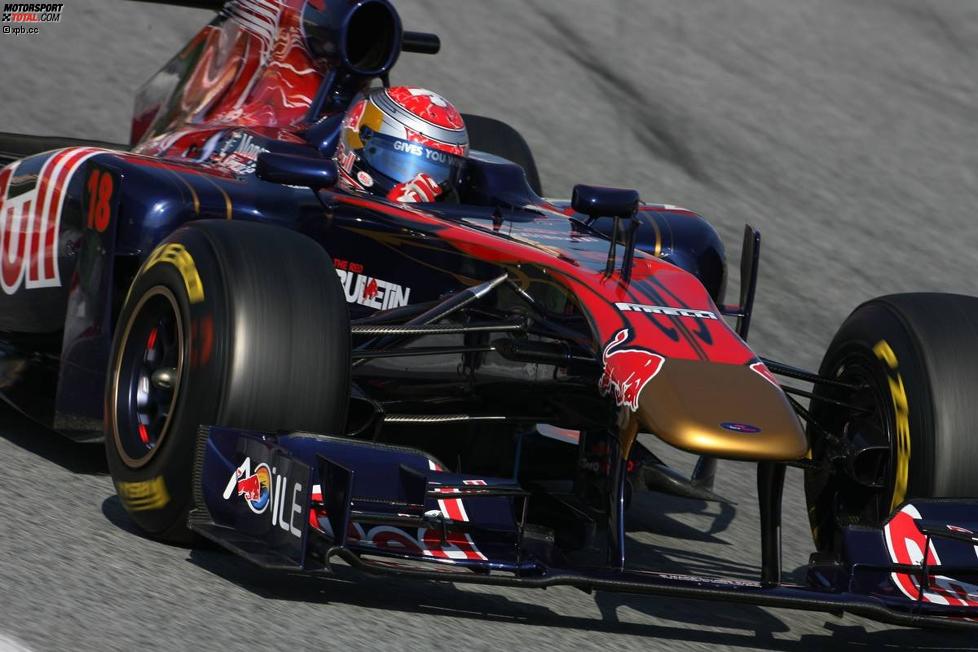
x: 620, y: 204
x: 296, y: 170
x: 595, y: 201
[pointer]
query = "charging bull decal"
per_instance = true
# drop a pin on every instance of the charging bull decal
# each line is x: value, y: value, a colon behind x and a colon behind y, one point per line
x: 627, y: 371
x: 908, y: 545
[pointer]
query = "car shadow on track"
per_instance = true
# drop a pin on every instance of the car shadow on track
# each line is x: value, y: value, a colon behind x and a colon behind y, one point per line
x: 115, y: 513
x: 658, y: 538
x: 86, y: 459
x: 744, y: 626
x: 650, y: 513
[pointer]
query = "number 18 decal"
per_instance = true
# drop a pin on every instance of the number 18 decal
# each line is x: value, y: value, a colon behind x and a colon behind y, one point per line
x: 100, y: 187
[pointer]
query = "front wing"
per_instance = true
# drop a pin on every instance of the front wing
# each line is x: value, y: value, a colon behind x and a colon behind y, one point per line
x: 301, y: 502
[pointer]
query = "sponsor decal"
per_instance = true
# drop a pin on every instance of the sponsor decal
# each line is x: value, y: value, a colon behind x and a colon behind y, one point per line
x: 255, y: 488
x: 627, y: 370
x: 144, y: 494
x: 745, y: 428
x: 599, y: 457
x: 666, y: 310
x: 30, y: 220
x: 365, y: 179
x: 906, y: 544
x: 264, y: 487
x: 177, y: 255
x: 239, y: 153
x: 593, y: 466
x: 29, y: 13
x: 369, y: 291
x: 716, y: 581
x: 413, y: 149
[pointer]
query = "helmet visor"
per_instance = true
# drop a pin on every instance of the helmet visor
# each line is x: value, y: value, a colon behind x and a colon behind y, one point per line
x: 402, y: 161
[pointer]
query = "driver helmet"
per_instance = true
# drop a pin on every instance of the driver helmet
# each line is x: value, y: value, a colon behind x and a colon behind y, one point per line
x: 404, y: 143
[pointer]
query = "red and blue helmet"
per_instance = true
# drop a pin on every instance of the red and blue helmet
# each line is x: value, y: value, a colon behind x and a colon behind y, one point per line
x: 404, y: 143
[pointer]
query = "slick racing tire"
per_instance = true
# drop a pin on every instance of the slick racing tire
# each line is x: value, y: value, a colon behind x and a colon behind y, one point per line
x: 498, y: 138
x: 226, y: 323
x: 904, y: 426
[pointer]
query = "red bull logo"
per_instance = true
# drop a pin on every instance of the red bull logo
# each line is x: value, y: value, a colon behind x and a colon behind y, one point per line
x: 255, y: 488
x: 627, y: 371
x: 250, y: 487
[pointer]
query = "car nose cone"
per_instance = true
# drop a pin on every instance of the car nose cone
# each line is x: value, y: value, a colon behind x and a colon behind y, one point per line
x: 721, y: 410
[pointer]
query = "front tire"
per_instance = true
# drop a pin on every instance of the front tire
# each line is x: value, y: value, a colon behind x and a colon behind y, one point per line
x: 907, y: 429
x: 226, y: 323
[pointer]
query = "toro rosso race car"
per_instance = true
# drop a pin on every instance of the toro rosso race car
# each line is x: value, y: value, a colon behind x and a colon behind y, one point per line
x: 317, y: 376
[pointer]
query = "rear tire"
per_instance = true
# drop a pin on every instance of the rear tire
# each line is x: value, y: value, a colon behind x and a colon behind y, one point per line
x: 498, y: 138
x: 227, y: 323
x: 916, y: 358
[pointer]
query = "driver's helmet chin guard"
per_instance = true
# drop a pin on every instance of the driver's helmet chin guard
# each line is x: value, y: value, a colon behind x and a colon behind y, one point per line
x: 403, y: 143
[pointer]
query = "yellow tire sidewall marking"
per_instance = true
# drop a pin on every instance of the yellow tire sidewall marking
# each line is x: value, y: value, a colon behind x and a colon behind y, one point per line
x: 143, y: 495
x: 177, y: 255
x: 901, y: 410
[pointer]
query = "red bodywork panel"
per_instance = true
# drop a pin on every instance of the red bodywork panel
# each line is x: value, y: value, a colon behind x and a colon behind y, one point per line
x: 251, y: 70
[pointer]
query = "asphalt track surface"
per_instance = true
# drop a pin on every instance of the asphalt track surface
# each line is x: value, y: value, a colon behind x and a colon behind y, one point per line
x: 846, y: 130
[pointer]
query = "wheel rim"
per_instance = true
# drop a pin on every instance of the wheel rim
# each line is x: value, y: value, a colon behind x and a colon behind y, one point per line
x: 857, y: 475
x: 147, y: 375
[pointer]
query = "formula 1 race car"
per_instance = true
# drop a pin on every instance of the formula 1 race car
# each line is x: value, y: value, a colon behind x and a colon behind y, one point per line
x: 312, y: 376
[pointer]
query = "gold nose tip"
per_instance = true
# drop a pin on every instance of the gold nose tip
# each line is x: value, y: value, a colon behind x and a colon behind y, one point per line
x: 721, y: 410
